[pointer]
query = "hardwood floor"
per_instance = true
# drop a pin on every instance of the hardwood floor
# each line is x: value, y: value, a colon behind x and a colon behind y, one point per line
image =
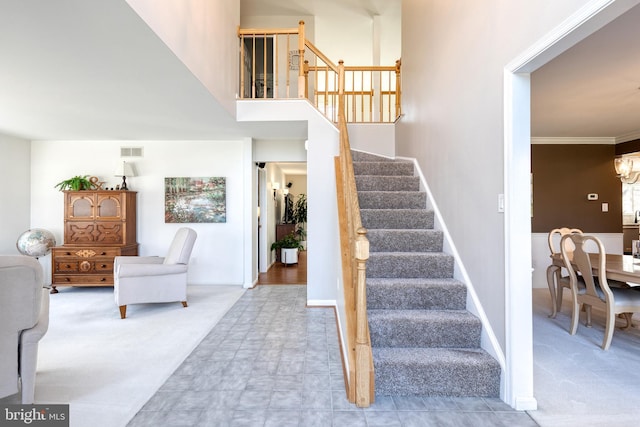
x: 289, y: 274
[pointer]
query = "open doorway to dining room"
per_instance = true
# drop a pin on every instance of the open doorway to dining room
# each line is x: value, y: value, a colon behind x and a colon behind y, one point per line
x: 519, y: 123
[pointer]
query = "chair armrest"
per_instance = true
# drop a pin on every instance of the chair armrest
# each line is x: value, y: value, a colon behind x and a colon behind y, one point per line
x: 119, y: 260
x: 34, y: 334
x: 137, y: 270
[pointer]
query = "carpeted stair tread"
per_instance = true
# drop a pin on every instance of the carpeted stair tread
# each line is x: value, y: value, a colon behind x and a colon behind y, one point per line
x: 360, y: 156
x: 386, y: 168
x: 436, y: 372
x: 410, y: 264
x: 424, y: 328
x: 416, y: 294
x: 387, y: 183
x: 392, y: 199
x: 397, y: 218
x: 407, y: 240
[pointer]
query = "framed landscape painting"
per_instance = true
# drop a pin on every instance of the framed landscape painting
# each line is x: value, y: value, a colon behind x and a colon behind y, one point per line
x: 195, y: 199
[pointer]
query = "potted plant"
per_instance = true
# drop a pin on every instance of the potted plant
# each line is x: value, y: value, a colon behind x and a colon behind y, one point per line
x: 300, y: 219
x: 75, y: 183
x: 289, y: 246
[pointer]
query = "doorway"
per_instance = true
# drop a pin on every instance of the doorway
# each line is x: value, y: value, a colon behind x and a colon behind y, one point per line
x: 517, y: 148
x: 258, y: 67
x: 281, y: 185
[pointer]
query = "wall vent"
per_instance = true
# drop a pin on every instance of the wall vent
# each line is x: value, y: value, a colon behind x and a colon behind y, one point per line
x: 130, y: 151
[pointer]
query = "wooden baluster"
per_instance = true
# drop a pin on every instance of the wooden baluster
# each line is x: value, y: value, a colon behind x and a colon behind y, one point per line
x: 253, y: 70
x: 306, y: 81
x: 276, y: 73
x: 242, y: 54
x: 398, y: 89
x: 301, y: 40
x: 264, y: 65
x: 289, y: 65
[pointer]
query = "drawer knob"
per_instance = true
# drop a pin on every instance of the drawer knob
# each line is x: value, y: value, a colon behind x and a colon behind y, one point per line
x: 85, y: 266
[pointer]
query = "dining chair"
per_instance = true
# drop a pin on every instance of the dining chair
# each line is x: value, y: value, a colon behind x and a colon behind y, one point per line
x: 555, y: 280
x: 597, y: 291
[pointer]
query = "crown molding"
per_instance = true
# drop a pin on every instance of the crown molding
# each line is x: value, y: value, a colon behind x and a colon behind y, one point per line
x: 631, y: 136
x: 575, y: 141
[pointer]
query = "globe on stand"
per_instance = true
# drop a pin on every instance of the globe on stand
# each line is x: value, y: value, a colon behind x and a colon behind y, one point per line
x: 36, y: 242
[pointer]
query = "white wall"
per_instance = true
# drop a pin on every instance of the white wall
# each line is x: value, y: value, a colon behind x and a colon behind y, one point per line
x: 222, y: 253
x: 375, y: 138
x: 323, y: 268
x: 377, y: 43
x: 202, y: 33
x: 15, y: 179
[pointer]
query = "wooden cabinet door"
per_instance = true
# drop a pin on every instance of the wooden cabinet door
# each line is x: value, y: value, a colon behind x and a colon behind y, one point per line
x: 108, y: 207
x: 80, y: 205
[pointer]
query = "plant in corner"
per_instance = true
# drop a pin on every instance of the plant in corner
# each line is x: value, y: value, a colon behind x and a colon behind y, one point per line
x: 75, y: 183
x: 289, y: 246
x: 300, y: 218
x: 290, y: 241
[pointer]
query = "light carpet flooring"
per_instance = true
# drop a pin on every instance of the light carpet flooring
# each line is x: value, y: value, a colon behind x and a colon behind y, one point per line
x: 576, y: 383
x: 107, y: 368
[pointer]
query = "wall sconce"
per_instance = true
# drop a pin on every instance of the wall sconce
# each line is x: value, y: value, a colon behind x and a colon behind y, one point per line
x: 123, y: 170
x: 275, y: 188
x: 624, y: 170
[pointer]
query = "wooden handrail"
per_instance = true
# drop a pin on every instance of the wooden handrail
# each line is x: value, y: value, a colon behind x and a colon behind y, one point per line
x: 355, y: 253
x: 321, y: 56
x: 373, y: 94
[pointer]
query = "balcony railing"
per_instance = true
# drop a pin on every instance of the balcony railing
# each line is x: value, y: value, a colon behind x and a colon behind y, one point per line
x: 282, y: 63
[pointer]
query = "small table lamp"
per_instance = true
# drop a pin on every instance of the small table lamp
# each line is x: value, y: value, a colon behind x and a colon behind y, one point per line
x: 124, y: 169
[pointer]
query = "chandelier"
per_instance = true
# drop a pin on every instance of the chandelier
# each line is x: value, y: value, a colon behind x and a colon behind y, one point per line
x: 624, y: 170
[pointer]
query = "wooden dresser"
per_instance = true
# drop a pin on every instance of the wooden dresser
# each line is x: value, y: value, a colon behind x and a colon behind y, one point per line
x: 98, y: 226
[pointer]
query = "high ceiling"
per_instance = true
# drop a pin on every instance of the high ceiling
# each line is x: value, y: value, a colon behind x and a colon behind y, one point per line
x: 314, y: 7
x: 66, y: 74
x: 593, y: 89
x: 74, y: 70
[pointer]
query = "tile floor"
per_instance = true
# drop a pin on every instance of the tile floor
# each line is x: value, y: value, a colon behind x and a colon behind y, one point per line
x: 271, y: 361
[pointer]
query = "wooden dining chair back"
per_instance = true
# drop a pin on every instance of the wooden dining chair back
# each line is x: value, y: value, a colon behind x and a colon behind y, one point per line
x: 596, y: 292
x: 556, y: 281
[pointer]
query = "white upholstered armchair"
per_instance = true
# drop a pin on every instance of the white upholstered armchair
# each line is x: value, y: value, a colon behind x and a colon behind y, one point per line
x: 140, y: 279
x: 24, y: 319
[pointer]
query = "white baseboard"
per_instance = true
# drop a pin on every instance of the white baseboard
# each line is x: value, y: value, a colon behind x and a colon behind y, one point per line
x: 321, y: 303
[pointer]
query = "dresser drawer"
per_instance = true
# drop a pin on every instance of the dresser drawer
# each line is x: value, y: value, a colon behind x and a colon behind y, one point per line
x: 66, y: 266
x: 85, y: 232
x: 82, y: 280
x: 76, y: 252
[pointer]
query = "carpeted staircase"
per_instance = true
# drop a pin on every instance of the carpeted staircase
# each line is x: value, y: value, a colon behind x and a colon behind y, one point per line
x: 424, y: 340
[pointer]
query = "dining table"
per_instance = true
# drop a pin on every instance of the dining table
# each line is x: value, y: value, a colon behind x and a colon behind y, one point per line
x: 624, y: 268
